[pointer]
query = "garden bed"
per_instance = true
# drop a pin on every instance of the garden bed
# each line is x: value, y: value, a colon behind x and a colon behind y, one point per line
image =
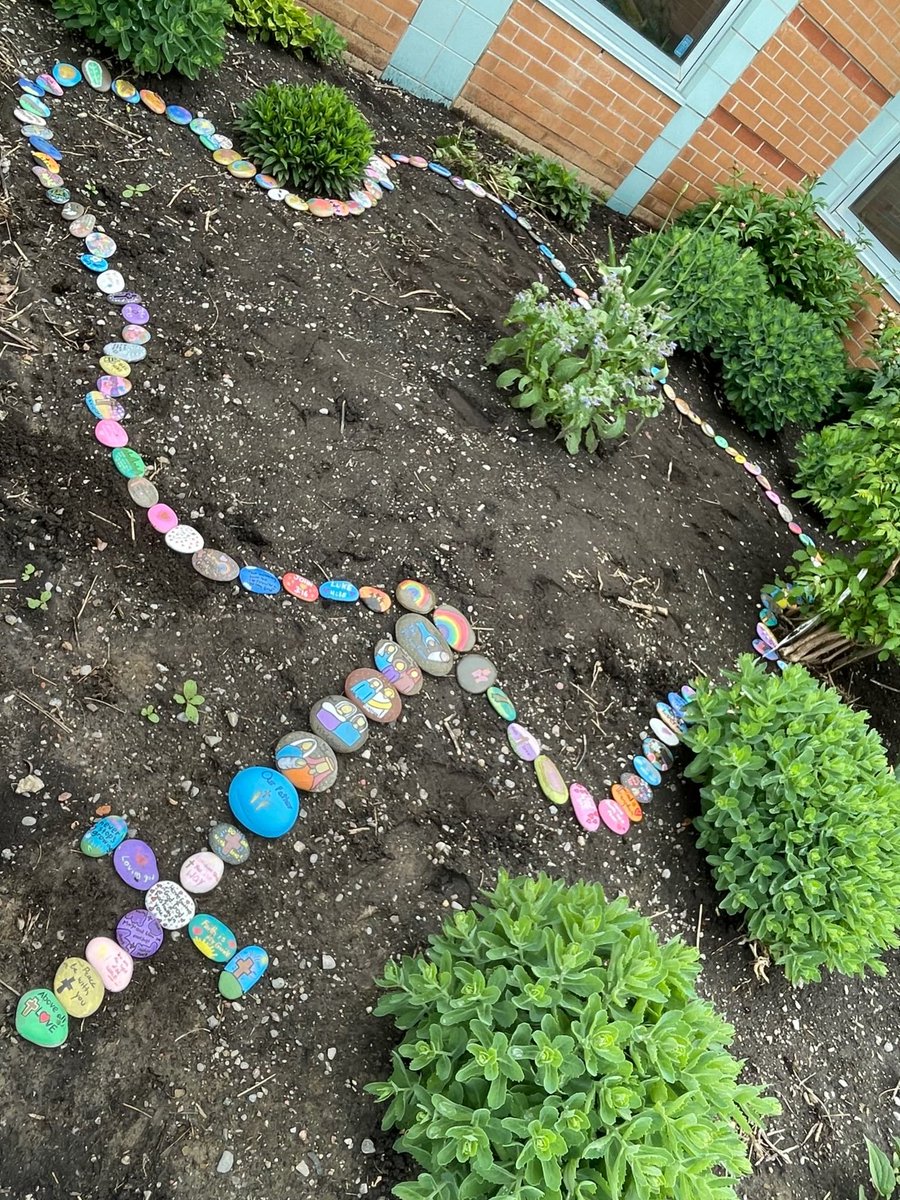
x: 317, y: 400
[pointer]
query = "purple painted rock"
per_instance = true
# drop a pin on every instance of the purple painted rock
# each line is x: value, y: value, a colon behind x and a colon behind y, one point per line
x: 139, y: 933
x: 135, y: 863
x: 525, y: 745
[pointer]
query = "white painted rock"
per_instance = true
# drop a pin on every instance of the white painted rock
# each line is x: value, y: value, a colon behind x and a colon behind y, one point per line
x: 201, y: 872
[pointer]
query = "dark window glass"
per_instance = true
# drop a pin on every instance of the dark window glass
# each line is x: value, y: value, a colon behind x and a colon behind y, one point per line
x: 879, y: 208
x: 675, y: 26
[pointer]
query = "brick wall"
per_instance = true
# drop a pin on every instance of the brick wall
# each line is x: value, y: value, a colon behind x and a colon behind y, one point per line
x: 372, y: 27
x: 542, y: 81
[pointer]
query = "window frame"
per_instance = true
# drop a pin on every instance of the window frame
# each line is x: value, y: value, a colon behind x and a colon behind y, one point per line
x: 602, y: 26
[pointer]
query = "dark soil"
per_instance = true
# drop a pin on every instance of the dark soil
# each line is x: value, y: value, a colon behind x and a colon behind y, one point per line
x: 307, y: 412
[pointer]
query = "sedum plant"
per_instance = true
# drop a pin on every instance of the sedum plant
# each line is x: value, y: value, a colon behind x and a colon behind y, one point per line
x: 584, y: 371
x: 313, y: 138
x: 805, y: 262
x: 555, y: 189
x: 553, y: 1048
x: 782, y: 365
x: 710, y: 279
x: 800, y: 818
x: 154, y: 36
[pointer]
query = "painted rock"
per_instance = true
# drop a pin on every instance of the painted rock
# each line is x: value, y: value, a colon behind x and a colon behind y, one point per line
x: 455, y: 628
x: 103, y: 246
x: 663, y: 733
x: 419, y: 637
x: 230, y: 843
x: 225, y: 156
x: 125, y: 91
x: 170, y: 904
x: 202, y: 127
x: 143, y: 492
x: 50, y: 85
x: 103, y: 836
x: 135, y: 863
x: 223, y: 142
x: 111, y: 282
x: 92, y: 263
x: 44, y: 146
x: 46, y: 178
x: 339, y: 589
x: 340, y: 723
x: 129, y: 463
x: 70, y: 211
x: 66, y: 74
x: 656, y: 753
x: 114, y: 965
x: 302, y: 588
x: 525, y: 745
x: 627, y: 801
x: 585, y: 807
x: 307, y: 761
x: 113, y: 385
x: 162, y: 517
x: 153, y: 101
x: 637, y: 786
x: 136, y: 335
x: 398, y: 667
x: 320, y: 207
x: 184, y: 539
x: 266, y: 182
x: 34, y: 107
x: 82, y: 225
x: 78, y: 987
x: 178, y: 115
x: 125, y: 351
x: 242, y: 169
x: 139, y: 933
x: 110, y: 433
x: 96, y: 75
x: 371, y: 692
x: 678, y: 702
x: 40, y: 1018
x: 550, y: 780
x: 244, y: 970
x: 263, y: 801
x: 475, y: 673
x: 297, y: 203
x: 613, y: 816
x: 58, y: 195
x: 201, y: 872
x: 375, y: 599
x: 212, y: 937
x: 30, y: 86
x: 135, y: 313
x: 259, y: 581
x: 501, y: 704
x: 414, y: 596
x: 671, y: 718
x: 215, y: 565
x: 646, y: 770
x: 27, y: 118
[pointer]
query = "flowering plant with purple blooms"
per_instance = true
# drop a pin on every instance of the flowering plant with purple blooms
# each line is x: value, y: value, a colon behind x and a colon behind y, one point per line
x: 584, y: 370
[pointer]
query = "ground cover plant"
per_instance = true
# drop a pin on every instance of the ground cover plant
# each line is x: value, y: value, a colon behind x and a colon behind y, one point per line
x: 186, y: 36
x: 552, y: 1047
x: 313, y: 138
x: 800, y: 818
x: 585, y: 371
x: 805, y: 262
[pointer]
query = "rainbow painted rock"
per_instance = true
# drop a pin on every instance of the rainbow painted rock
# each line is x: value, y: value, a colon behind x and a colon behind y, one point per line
x: 243, y: 971
x: 41, y: 1019
x: 263, y: 801
x: 78, y: 987
x: 455, y: 627
x: 414, y: 596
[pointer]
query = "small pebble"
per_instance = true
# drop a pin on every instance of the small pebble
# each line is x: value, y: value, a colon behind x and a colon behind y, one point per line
x: 328, y: 963
x: 226, y: 1162
x: 368, y: 1146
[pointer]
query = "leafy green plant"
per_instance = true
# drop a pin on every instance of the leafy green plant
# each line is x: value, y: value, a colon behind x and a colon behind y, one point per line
x: 805, y: 262
x: 149, y: 713
x: 40, y: 601
x: 711, y: 281
x: 555, y: 189
x: 279, y: 21
x: 459, y: 151
x: 585, y: 371
x: 155, y: 36
x: 782, y: 366
x: 190, y: 700
x: 313, y: 138
x: 328, y: 45
x: 130, y: 190
x: 800, y: 818
x: 884, y: 1170
x: 552, y: 1047
x: 27, y: 571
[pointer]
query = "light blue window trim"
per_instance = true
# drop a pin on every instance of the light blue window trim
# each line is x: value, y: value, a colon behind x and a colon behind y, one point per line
x: 860, y: 165
x: 711, y: 71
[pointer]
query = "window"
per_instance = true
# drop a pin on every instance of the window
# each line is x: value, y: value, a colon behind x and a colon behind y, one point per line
x: 878, y: 208
x: 675, y: 26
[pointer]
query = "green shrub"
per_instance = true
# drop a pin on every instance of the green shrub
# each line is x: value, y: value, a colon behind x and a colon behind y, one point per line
x: 154, y: 36
x: 584, y: 371
x: 313, y: 138
x: 328, y: 44
x: 804, y: 261
x: 279, y: 21
x: 555, y: 189
x: 710, y: 279
x: 800, y: 818
x: 783, y: 365
x: 552, y: 1047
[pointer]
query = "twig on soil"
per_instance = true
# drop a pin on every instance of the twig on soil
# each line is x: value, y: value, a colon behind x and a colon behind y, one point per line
x: 44, y: 712
x: 130, y: 515
x: 454, y: 736
x: 254, y: 1086
x: 590, y: 699
x: 699, y: 928
x: 322, y: 569
x: 128, y: 133
x: 653, y: 610
x: 105, y: 703
x: 83, y: 606
x: 705, y: 580
x: 433, y: 224
x: 343, y: 414
x: 583, y: 750
x: 887, y: 687
x: 185, y: 186
x: 141, y: 1111
x: 106, y: 519
x: 199, y: 1029
x: 9, y: 987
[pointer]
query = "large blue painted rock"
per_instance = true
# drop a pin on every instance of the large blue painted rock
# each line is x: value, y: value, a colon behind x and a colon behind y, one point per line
x: 264, y: 801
